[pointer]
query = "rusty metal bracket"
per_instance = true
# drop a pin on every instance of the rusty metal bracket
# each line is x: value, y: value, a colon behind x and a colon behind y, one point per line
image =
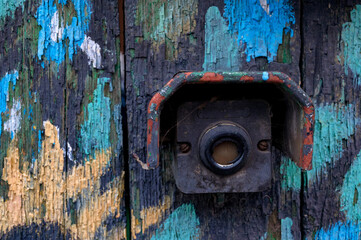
x: 303, y: 159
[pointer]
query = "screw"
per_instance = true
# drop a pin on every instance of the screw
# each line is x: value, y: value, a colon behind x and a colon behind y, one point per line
x: 184, y: 147
x: 262, y: 145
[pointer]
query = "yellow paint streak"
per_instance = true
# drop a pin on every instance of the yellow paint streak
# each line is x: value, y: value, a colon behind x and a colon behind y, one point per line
x: 150, y: 216
x: 87, y: 176
x: 96, y: 211
x: 42, y: 194
x: 11, y: 211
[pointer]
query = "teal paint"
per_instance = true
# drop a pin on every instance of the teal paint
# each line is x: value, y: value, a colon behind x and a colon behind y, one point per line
x: 221, y: 47
x: 286, y: 229
x: 351, y: 39
x: 54, y: 35
x: 4, y: 91
x: 264, y: 237
x: 333, y: 123
x: 350, y: 200
x: 96, y: 128
x: 291, y: 175
x: 259, y: 28
x: 349, y: 230
x: 8, y: 7
x: 182, y: 223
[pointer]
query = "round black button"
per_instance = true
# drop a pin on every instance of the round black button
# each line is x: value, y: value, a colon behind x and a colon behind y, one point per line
x: 224, y: 147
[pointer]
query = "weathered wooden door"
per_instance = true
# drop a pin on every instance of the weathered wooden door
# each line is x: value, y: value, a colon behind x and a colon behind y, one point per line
x: 76, y: 77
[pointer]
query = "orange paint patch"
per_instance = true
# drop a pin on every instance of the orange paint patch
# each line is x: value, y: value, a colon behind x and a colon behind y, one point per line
x: 211, y: 77
x: 247, y: 79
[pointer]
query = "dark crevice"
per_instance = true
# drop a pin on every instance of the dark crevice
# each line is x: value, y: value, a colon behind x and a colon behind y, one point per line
x: 301, y: 60
x: 124, y: 121
x: 303, y: 174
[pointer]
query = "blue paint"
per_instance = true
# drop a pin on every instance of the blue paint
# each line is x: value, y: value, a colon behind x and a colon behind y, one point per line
x: 74, y: 33
x: 350, y: 200
x: 351, y: 39
x: 286, y: 226
x: 349, y: 230
x: 182, y: 223
x: 4, y: 91
x: 265, y: 76
x: 259, y: 32
x: 96, y: 128
x: 333, y: 123
x: 39, y: 140
x: 221, y: 47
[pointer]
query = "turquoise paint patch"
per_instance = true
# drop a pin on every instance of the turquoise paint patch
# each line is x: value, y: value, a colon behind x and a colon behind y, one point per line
x: 351, y: 38
x: 348, y: 230
x: 350, y: 200
x: 333, y: 123
x: 95, y: 130
x: 4, y: 91
x: 221, y: 47
x: 8, y: 7
x: 260, y: 32
x: 54, y: 35
x: 291, y: 175
x: 286, y: 226
x: 265, y: 76
x: 182, y: 223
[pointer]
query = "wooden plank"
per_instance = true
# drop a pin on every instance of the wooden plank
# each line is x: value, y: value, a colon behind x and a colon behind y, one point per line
x: 164, y: 37
x: 331, y: 76
x: 61, y: 131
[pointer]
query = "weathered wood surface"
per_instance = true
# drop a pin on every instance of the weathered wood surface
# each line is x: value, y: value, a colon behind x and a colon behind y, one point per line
x: 331, y: 72
x: 61, y: 152
x: 61, y: 67
x: 165, y: 37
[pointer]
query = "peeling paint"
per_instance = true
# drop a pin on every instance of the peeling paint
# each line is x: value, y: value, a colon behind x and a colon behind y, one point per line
x: 350, y: 200
x: 163, y: 22
x: 54, y: 35
x: 38, y: 196
x: 92, y: 50
x: 4, y: 91
x: 221, y: 47
x: 150, y: 216
x: 349, y: 230
x: 351, y: 39
x: 13, y: 124
x: 7, y: 7
x: 182, y: 223
x: 290, y: 175
x: 333, y: 124
x: 286, y: 225
x: 96, y: 128
x: 259, y: 32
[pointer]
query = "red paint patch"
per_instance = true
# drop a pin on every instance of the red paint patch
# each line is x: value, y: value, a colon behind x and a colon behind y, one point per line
x: 247, y: 79
x: 211, y: 77
x: 306, y: 160
x: 274, y: 79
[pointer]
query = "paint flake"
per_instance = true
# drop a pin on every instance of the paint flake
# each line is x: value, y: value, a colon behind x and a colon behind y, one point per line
x: 92, y: 50
x: 13, y: 124
x: 259, y: 32
x: 221, y: 47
